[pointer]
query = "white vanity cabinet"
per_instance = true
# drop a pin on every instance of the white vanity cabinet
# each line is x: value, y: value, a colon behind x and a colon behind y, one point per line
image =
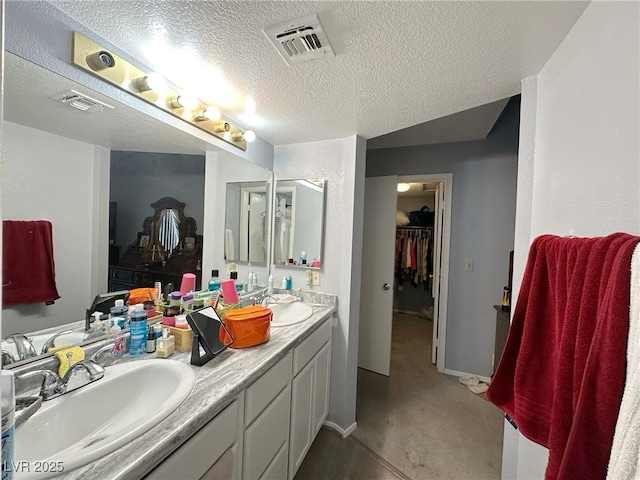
x: 266, y: 433
x: 214, y: 452
x: 309, y: 393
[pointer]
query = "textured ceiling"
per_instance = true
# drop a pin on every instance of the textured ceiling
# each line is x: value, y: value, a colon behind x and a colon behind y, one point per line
x: 397, y: 63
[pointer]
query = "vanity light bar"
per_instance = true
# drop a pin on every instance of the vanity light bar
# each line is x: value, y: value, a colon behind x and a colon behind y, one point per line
x: 95, y: 59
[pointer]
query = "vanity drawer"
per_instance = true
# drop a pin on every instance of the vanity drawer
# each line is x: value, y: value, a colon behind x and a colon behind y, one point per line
x: 197, y: 455
x: 264, y: 439
x: 304, y: 352
x: 263, y: 391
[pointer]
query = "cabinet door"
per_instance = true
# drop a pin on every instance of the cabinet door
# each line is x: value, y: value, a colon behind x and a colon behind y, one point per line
x: 266, y: 436
x: 196, y: 456
x: 301, y: 408
x: 321, y: 387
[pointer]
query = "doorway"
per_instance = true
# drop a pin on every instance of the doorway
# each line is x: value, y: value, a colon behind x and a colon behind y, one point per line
x: 380, y: 281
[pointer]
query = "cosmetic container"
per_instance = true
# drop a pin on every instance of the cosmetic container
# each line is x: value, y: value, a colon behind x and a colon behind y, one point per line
x: 214, y: 283
x: 165, y: 345
x: 151, y: 342
x: 139, y: 331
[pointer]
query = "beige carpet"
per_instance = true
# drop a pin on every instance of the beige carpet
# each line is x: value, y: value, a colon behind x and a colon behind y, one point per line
x: 426, y: 424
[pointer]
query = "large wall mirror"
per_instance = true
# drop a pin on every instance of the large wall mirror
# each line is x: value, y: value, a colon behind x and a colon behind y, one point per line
x: 298, y: 223
x: 56, y: 166
x: 246, y: 233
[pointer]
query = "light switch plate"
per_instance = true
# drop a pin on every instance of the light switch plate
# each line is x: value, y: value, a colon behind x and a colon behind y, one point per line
x: 468, y: 265
x: 315, y: 277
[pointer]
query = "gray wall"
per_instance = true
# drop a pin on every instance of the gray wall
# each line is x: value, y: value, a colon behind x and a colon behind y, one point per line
x: 482, y: 229
x: 170, y: 175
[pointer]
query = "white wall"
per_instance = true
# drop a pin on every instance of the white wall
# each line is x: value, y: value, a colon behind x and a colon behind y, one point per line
x: 172, y: 175
x: 579, y: 169
x: 482, y: 225
x: 341, y: 163
x: 77, y: 209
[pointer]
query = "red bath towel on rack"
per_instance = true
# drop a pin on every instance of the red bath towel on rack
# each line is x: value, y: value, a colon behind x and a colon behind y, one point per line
x: 562, y: 372
x: 28, y: 270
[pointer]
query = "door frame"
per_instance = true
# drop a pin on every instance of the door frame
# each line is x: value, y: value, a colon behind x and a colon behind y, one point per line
x: 447, y: 180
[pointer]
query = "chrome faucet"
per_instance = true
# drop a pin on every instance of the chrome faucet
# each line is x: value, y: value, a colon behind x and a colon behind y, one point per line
x: 51, y: 342
x: 78, y: 375
x: 106, y: 348
x: 24, y: 347
x: 7, y: 358
x: 262, y: 300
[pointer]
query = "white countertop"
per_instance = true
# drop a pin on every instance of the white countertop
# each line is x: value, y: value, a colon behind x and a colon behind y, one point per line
x: 217, y: 383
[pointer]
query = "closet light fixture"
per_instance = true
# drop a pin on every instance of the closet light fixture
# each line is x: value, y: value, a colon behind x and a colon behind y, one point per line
x: 155, y: 90
x: 209, y: 113
x: 247, y: 136
x: 403, y: 187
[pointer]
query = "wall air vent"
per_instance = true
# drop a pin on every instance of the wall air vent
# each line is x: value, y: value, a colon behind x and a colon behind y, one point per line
x: 82, y: 102
x: 300, y: 40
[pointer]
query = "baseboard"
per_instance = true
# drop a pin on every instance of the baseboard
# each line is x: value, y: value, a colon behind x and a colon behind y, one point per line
x: 464, y: 374
x: 344, y: 432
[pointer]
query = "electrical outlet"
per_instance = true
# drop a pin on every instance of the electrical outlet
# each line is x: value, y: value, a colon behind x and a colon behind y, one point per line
x: 468, y: 265
x: 315, y: 277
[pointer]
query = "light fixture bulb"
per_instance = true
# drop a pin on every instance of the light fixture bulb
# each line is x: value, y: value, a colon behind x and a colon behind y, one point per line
x: 210, y: 113
x: 186, y: 101
x: 247, y: 136
x: 153, y: 81
x: 403, y: 187
x: 221, y: 127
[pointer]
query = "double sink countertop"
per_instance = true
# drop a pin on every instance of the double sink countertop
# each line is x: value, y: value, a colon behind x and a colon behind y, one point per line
x: 217, y: 383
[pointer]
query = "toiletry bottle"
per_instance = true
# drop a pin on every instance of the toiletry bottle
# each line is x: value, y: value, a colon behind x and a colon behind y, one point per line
x: 255, y: 280
x: 289, y: 282
x: 138, y: 329
x: 249, y: 279
x: 118, y: 315
x: 151, y: 342
x: 303, y: 258
x: 284, y: 282
x: 165, y: 345
x: 187, y: 301
x: 238, y: 283
x: 181, y: 322
x: 270, y: 281
x: 157, y: 330
x: 176, y: 299
x: 7, y: 387
x: 229, y: 292
x: 214, y: 283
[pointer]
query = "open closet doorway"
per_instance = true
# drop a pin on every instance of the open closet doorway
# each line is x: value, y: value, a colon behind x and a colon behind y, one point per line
x: 383, y: 282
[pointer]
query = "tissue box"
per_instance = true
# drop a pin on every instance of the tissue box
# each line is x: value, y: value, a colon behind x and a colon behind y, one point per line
x: 184, y: 338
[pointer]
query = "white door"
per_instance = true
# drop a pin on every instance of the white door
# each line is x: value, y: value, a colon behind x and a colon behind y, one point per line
x: 437, y: 266
x: 378, y: 259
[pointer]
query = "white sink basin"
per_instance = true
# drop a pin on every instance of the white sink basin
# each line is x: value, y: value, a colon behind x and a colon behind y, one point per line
x: 285, y: 314
x: 87, y: 424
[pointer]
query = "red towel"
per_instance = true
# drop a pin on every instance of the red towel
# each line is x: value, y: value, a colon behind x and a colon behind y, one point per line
x: 562, y: 372
x: 28, y: 271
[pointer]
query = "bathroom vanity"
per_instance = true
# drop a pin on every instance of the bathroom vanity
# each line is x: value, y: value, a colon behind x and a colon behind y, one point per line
x: 253, y: 413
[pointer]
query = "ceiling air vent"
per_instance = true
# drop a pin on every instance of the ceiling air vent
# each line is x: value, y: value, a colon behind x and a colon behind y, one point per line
x: 82, y: 102
x: 300, y: 40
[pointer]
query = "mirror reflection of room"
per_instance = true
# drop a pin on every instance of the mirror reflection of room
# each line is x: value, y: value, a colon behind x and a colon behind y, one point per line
x: 246, y: 222
x: 154, y: 231
x: 298, y: 221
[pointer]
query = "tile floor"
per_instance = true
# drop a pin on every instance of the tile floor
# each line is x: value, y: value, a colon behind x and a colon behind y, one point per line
x: 416, y: 423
